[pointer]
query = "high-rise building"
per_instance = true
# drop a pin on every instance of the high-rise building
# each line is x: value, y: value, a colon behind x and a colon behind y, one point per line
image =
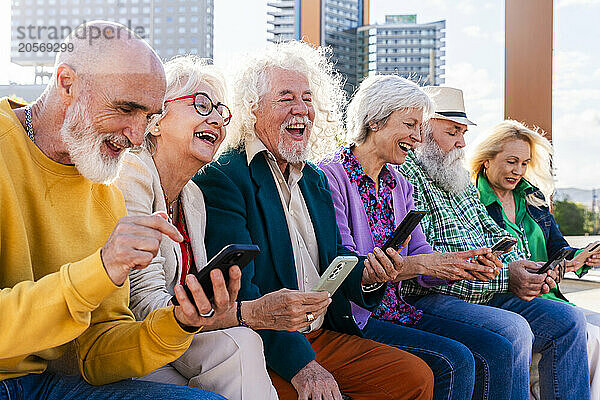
x: 325, y: 23
x: 170, y: 27
x: 404, y: 47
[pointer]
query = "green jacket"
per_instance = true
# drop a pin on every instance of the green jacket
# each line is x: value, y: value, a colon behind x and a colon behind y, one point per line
x: 243, y: 207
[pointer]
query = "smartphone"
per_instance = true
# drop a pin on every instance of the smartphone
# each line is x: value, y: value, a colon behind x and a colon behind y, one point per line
x: 590, y: 249
x: 408, y: 224
x: 503, y: 245
x: 558, y: 257
x: 232, y: 254
x: 335, y: 274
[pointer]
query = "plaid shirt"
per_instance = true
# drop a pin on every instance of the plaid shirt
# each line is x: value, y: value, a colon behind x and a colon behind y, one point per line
x: 456, y: 223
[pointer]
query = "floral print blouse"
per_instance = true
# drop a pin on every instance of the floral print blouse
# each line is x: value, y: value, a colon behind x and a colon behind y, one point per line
x: 379, y: 208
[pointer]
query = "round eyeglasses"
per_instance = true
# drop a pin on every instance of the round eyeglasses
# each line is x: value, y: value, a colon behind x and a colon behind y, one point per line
x: 204, y: 106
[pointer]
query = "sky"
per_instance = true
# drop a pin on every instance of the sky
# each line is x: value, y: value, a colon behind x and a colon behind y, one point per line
x: 474, y: 63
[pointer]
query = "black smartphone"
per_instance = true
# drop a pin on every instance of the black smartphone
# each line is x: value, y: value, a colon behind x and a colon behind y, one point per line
x: 503, y: 245
x: 232, y: 254
x: 558, y: 257
x: 408, y: 224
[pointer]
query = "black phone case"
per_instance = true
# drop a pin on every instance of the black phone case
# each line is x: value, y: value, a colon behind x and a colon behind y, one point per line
x: 504, y: 244
x: 232, y: 254
x: 405, y: 228
x: 558, y: 256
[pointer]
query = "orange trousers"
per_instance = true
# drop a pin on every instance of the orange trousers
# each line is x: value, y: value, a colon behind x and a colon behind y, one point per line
x: 365, y: 369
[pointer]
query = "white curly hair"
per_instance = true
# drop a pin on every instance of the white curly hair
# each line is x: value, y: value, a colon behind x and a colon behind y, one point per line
x: 252, y: 82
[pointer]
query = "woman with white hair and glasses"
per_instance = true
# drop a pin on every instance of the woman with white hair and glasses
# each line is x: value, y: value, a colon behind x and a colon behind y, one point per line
x: 508, y: 165
x: 385, y: 119
x: 223, y: 357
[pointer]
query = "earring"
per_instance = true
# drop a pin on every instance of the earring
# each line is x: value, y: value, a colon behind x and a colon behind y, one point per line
x: 155, y: 131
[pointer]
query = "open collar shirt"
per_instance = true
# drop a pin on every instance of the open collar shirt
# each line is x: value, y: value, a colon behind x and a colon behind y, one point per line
x: 456, y: 222
x: 300, y: 225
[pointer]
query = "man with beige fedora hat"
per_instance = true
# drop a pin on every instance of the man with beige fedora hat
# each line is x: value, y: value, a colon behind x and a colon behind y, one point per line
x: 508, y: 305
x: 450, y: 105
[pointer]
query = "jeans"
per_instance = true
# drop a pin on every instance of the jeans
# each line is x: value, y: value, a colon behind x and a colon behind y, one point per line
x: 561, y: 337
x: 52, y: 386
x: 452, y: 363
x: 554, y: 329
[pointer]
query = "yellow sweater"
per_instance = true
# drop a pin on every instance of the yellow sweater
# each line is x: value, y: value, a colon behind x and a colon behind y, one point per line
x: 54, y: 289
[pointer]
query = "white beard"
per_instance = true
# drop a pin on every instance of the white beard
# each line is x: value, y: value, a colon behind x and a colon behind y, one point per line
x: 297, y: 151
x: 293, y: 154
x: 84, y: 145
x: 446, y: 170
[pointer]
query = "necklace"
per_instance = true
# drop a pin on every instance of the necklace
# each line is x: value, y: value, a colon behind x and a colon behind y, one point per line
x: 29, y: 124
x: 171, y: 207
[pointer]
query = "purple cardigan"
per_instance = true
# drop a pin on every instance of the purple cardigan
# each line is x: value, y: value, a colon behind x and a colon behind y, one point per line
x: 354, y: 227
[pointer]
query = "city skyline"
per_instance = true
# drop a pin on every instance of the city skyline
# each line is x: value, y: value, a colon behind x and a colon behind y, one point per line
x: 405, y: 46
x: 330, y: 23
x: 474, y: 63
x: 170, y: 28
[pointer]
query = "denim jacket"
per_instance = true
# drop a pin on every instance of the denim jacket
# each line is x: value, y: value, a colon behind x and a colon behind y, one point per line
x: 542, y: 216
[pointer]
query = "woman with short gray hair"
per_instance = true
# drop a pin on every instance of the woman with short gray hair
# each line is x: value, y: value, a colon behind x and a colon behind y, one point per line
x: 385, y: 120
x: 378, y: 98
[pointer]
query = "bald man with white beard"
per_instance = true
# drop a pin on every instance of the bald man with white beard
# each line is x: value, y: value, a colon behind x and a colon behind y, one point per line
x: 66, y: 245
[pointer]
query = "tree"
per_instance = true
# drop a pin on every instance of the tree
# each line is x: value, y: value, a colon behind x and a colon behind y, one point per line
x: 571, y: 218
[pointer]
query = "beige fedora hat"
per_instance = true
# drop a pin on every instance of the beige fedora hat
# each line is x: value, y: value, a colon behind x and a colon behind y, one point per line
x: 449, y: 104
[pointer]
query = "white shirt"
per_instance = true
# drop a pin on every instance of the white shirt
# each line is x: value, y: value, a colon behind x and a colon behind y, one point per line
x: 300, y: 226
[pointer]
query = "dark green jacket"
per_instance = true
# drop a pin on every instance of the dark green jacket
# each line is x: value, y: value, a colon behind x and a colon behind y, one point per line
x: 243, y: 207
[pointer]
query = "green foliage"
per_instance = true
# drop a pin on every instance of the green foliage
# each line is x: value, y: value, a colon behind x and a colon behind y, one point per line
x: 573, y: 218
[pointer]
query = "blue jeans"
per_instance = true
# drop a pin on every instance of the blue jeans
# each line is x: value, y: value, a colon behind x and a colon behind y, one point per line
x: 554, y: 329
x: 561, y: 337
x: 52, y: 386
x: 452, y: 363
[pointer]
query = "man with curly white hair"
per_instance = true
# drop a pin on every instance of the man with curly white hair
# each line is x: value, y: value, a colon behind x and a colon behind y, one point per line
x: 261, y: 190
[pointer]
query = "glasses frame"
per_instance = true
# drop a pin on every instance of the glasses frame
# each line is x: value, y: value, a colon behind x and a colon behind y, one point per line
x: 213, y: 106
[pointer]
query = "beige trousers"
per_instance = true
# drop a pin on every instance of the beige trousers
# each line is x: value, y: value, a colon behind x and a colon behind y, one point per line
x: 230, y: 362
x: 593, y: 353
x: 593, y: 348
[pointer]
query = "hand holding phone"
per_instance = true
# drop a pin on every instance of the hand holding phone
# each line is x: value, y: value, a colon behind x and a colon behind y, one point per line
x: 589, y: 250
x: 233, y: 254
x: 556, y: 259
x: 404, y: 229
x: 335, y: 274
x: 195, y: 310
x: 503, y: 246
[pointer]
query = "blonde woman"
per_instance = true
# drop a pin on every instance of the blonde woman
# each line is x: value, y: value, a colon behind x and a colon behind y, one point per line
x: 511, y: 168
x: 223, y: 357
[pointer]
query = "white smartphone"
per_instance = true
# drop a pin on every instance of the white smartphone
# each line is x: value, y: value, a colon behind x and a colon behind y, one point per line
x: 335, y: 274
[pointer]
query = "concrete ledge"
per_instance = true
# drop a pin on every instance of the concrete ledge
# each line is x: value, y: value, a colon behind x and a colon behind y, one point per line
x: 588, y: 299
